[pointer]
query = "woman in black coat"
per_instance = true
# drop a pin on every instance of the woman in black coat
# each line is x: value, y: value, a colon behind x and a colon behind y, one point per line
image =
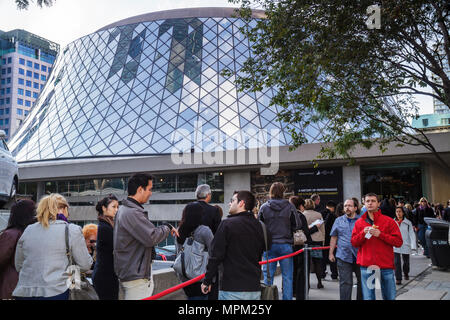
x: 104, y: 279
x: 299, y: 278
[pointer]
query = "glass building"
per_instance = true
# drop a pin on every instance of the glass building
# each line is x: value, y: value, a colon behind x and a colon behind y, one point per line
x: 124, y: 90
x: 129, y: 96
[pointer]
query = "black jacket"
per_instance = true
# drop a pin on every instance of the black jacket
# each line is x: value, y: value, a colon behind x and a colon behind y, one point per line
x: 329, y: 221
x: 446, y: 214
x: 427, y: 212
x: 211, y: 216
x: 238, y: 245
x: 104, y: 279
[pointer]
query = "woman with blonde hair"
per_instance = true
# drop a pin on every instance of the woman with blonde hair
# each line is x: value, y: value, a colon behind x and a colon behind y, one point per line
x: 41, y: 258
x: 317, y: 232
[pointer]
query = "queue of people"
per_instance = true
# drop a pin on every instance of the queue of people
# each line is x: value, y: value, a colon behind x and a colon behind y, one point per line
x: 118, y: 252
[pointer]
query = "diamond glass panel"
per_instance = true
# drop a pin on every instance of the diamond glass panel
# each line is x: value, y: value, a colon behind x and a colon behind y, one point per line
x: 141, y: 88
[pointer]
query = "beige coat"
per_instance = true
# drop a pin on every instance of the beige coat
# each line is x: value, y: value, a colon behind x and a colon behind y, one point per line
x: 312, y: 216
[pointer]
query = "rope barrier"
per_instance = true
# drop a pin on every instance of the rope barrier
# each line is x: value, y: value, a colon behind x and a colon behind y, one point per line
x: 200, y: 277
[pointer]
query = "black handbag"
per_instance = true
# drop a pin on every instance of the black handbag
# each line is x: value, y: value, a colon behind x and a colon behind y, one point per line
x: 268, y: 292
x: 79, y: 287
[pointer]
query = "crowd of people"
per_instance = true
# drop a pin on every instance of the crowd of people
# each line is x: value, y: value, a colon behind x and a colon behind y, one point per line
x: 117, y: 253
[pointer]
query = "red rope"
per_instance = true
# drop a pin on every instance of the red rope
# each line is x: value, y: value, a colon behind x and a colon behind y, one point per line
x: 200, y: 277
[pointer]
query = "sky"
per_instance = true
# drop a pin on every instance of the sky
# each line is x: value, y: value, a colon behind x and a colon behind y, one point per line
x: 68, y: 20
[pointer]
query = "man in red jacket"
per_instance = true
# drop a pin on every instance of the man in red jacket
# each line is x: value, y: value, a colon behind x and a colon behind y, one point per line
x: 375, y: 235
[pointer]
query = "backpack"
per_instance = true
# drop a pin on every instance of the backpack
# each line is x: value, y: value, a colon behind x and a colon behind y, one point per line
x: 192, y: 260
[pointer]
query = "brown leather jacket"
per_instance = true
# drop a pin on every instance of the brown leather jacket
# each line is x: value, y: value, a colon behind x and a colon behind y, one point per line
x: 8, y: 274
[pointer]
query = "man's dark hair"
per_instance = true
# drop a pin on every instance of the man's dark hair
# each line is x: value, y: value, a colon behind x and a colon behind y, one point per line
x: 297, y: 201
x: 248, y: 198
x: 371, y: 194
x: 23, y: 213
x: 331, y: 204
x: 138, y: 180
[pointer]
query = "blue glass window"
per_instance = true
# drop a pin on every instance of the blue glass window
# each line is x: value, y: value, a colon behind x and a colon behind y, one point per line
x: 43, y: 68
x: 35, y: 85
x: 8, y: 80
x: 9, y: 59
x: 28, y: 93
x: 36, y: 75
x: 19, y: 112
x: 35, y: 95
x: 8, y: 90
x: 43, y: 78
x: 7, y: 101
x: 29, y: 73
x: 29, y: 64
x: 28, y: 83
x: 36, y: 66
x: 21, y: 71
x: 21, y: 81
x: 1, y: 122
x: 2, y: 102
x: 3, y: 71
x: 9, y: 70
x: 20, y: 91
x: 27, y: 103
x: 7, y: 109
x: 22, y: 61
x: 20, y: 102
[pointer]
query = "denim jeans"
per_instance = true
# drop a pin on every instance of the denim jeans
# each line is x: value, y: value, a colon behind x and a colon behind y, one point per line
x: 387, y: 282
x: 239, y: 295
x: 421, y: 236
x: 287, y: 267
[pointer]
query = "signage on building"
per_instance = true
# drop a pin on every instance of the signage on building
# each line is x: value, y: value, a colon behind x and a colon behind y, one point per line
x: 326, y: 182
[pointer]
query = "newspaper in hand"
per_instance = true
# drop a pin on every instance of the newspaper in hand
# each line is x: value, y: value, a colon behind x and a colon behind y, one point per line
x: 318, y: 221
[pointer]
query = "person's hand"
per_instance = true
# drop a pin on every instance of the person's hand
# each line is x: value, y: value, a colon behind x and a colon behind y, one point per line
x: 331, y: 257
x: 174, y: 232
x: 206, y: 289
x: 375, y: 232
x: 366, y: 229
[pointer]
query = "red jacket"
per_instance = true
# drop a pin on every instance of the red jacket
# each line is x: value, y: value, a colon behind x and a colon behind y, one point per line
x: 377, y: 251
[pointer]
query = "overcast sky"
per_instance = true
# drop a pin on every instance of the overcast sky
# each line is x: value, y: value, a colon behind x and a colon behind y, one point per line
x: 68, y: 20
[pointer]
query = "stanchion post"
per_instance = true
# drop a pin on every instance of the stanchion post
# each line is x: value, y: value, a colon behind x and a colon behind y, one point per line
x: 306, y: 264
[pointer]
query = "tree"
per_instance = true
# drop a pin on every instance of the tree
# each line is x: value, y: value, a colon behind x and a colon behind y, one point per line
x: 329, y: 67
x: 24, y: 4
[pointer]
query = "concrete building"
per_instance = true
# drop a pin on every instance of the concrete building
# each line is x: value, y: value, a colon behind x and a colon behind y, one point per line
x: 26, y: 62
x: 146, y: 94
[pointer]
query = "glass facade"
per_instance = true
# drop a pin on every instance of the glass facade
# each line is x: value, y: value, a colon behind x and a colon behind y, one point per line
x: 126, y: 90
x: 87, y: 192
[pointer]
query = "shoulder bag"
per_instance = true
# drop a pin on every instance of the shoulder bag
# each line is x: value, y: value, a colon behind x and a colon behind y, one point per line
x: 79, y: 287
x: 268, y: 292
x: 299, y: 235
x: 191, y: 262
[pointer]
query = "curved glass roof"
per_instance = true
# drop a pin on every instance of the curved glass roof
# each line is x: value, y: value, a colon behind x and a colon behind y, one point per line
x: 150, y: 88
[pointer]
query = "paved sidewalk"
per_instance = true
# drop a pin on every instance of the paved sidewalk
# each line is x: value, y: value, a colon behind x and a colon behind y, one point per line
x: 425, y: 283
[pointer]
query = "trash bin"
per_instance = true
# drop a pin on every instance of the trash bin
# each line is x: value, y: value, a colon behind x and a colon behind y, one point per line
x: 437, y: 237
